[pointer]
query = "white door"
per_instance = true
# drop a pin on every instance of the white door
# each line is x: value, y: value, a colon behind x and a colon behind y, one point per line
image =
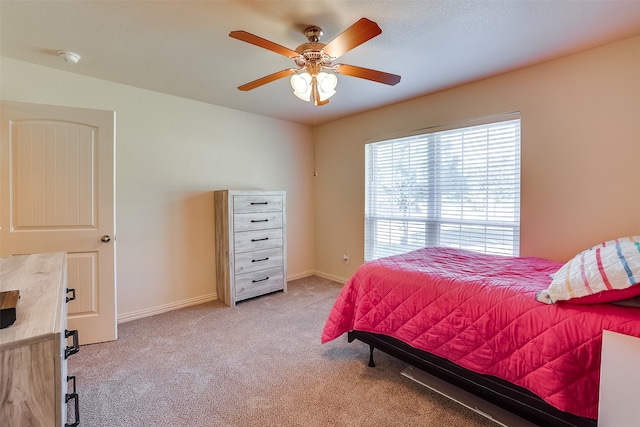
x: 57, y: 195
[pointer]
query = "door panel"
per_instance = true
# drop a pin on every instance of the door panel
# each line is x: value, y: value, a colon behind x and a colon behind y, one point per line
x: 57, y: 193
x: 83, y: 277
x: 53, y: 167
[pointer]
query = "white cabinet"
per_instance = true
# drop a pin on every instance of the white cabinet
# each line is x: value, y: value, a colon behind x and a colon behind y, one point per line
x: 34, y: 349
x: 619, y: 404
x: 251, y: 249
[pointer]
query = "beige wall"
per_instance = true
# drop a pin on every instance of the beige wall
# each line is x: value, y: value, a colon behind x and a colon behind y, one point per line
x: 580, y: 157
x: 171, y: 153
x: 580, y: 153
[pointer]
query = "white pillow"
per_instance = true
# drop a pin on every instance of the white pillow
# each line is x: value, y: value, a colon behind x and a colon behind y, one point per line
x: 607, y: 272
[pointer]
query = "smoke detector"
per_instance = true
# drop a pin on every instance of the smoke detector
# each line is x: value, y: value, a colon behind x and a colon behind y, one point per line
x: 70, y: 57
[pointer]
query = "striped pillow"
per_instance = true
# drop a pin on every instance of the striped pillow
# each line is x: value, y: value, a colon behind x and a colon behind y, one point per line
x: 604, y: 273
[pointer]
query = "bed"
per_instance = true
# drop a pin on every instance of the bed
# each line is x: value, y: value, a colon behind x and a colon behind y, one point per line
x: 474, y: 320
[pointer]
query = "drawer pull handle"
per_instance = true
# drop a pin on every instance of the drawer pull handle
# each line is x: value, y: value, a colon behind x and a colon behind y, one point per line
x: 258, y: 260
x: 260, y: 280
x: 259, y: 220
x: 259, y: 203
x: 73, y: 294
x: 259, y: 240
x: 73, y: 396
x: 73, y: 384
x: 68, y: 351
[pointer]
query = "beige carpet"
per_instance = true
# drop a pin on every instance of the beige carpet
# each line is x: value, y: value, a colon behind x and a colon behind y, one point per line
x: 258, y: 364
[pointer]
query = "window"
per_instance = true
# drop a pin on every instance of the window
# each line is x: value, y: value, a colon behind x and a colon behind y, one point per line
x: 455, y: 187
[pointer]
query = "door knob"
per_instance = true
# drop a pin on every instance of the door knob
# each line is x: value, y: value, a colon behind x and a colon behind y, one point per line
x: 105, y: 239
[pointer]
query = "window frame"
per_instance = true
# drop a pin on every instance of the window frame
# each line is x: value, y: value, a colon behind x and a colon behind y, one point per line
x: 434, y: 220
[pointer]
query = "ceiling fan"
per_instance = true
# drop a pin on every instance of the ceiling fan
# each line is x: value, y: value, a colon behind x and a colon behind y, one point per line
x: 315, y: 78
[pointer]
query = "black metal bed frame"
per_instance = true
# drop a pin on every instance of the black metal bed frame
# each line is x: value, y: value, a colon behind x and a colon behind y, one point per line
x: 510, y: 397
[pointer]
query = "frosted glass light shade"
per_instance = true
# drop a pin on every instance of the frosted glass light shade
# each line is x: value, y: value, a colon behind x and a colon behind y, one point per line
x: 301, y: 84
x: 326, y: 85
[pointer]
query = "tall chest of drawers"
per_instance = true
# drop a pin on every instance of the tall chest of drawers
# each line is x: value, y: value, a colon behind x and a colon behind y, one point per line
x: 251, y: 244
x: 35, y: 388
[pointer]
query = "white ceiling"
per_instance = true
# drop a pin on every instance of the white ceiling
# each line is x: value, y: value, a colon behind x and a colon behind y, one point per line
x: 182, y: 48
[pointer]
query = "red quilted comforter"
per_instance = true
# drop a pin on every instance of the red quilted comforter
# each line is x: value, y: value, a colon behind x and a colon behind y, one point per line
x: 480, y: 312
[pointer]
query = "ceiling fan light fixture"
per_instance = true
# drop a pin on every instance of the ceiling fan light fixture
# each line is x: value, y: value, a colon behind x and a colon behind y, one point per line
x: 326, y: 85
x: 301, y: 84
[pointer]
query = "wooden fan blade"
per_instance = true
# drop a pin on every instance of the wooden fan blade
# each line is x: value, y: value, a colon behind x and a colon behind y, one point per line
x: 366, y: 73
x: 264, y: 43
x: 267, y: 79
x: 353, y: 36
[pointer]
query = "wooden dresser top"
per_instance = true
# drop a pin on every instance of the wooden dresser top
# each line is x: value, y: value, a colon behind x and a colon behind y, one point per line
x: 39, y: 278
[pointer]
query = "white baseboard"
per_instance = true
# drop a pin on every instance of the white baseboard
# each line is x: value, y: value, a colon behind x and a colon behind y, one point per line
x: 319, y: 274
x: 166, y: 307
x: 127, y: 317
x: 300, y: 275
x: 330, y: 277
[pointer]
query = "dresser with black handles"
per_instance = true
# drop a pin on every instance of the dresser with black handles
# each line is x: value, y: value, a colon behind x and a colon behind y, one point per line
x: 251, y: 249
x: 35, y: 387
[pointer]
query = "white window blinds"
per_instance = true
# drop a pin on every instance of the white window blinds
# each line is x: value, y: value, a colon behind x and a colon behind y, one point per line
x: 457, y: 187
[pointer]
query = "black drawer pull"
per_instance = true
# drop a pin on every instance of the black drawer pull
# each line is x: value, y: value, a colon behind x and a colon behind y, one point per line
x: 260, y: 280
x: 73, y: 294
x: 258, y: 260
x: 68, y: 395
x: 259, y: 203
x: 259, y: 240
x: 68, y: 351
x: 76, y: 403
x: 259, y: 220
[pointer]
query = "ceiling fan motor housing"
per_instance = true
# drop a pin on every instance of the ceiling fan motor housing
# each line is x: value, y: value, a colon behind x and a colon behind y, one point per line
x: 311, y: 52
x: 313, y: 34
